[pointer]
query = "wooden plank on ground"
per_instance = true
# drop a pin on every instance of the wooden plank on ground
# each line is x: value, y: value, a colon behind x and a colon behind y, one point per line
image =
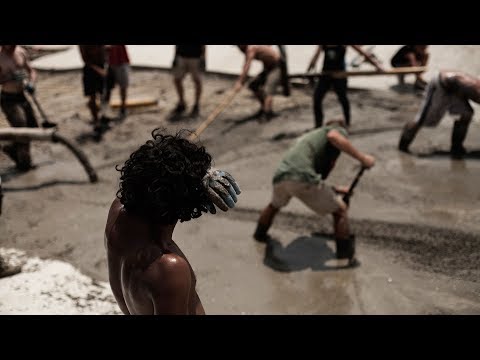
x: 116, y: 103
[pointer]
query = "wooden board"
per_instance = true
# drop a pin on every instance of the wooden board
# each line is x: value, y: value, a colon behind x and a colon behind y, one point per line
x: 343, y: 74
x: 134, y: 102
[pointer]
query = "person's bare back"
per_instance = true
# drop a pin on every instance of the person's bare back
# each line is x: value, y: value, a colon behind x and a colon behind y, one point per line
x: 265, y: 53
x: 467, y: 85
x: 148, y: 272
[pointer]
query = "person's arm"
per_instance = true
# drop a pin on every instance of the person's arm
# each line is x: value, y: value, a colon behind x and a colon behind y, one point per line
x: 368, y: 57
x: 314, y: 60
x: 32, y: 74
x: 203, y: 63
x: 249, y: 56
x: 169, y: 281
x: 343, y: 144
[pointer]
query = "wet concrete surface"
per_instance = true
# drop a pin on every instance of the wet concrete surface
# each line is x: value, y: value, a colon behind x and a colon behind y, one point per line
x: 416, y: 218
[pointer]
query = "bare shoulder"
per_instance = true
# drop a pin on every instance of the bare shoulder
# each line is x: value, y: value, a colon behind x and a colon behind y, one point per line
x: 168, y: 272
x: 113, y: 214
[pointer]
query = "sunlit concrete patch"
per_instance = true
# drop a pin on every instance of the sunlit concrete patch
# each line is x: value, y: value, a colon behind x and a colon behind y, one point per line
x: 52, y: 287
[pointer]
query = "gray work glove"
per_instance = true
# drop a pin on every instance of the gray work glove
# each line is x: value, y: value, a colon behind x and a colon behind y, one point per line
x: 222, y: 190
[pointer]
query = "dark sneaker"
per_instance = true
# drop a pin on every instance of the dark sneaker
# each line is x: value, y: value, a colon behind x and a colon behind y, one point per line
x: 262, y: 238
x: 261, y: 235
x: 458, y: 152
x: 345, y: 248
x: 179, y: 109
x: 403, y: 146
x: 195, y: 111
x: 48, y: 125
x: 123, y: 113
x: 270, y: 115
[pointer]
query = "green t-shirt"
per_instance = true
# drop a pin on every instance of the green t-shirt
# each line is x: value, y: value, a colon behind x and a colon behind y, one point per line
x: 298, y: 164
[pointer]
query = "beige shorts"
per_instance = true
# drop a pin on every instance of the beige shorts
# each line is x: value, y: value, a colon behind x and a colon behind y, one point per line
x: 120, y: 72
x: 438, y: 101
x: 320, y: 198
x: 184, y: 66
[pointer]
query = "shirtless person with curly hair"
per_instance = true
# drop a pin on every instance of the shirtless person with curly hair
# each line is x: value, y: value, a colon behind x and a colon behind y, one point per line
x: 166, y: 180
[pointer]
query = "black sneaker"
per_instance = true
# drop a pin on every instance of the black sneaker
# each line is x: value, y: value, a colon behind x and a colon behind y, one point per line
x: 179, y: 109
x: 48, y: 125
x: 123, y: 113
x: 345, y: 248
x: 195, y: 111
x: 403, y: 146
x: 261, y: 235
x: 458, y: 152
x: 270, y: 115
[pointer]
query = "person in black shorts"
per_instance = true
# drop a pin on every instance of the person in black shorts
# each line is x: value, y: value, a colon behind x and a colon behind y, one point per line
x: 97, y: 78
x: 334, y: 60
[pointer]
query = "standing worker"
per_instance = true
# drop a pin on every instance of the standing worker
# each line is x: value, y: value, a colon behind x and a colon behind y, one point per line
x: 334, y: 60
x: 120, y: 64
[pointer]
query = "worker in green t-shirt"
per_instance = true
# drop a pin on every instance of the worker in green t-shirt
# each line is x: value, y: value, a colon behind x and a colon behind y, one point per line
x: 301, y: 174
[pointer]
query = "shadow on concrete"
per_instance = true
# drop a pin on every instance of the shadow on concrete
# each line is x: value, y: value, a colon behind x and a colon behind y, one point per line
x: 305, y: 252
x: 474, y: 154
x: 12, y: 172
x: 44, y: 185
x: 241, y: 121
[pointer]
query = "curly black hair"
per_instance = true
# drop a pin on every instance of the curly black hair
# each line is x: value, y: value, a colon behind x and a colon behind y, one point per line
x: 162, y: 180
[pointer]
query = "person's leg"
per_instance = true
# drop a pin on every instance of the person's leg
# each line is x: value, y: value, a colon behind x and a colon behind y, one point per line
x: 419, y: 77
x: 30, y: 117
x: 340, y: 87
x: 430, y: 113
x: 459, y: 133
x: 280, y: 198
x: 179, y: 72
x: 90, y: 90
x: 272, y: 82
x: 195, y: 70
x: 344, y: 241
x: 323, y: 200
x: 264, y: 223
x: 256, y: 86
x: 122, y: 79
x: 13, y: 108
x: 92, y: 105
x: 321, y: 90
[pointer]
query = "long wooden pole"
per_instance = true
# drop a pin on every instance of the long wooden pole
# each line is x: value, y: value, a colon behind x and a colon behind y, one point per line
x: 344, y: 74
x: 226, y: 101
